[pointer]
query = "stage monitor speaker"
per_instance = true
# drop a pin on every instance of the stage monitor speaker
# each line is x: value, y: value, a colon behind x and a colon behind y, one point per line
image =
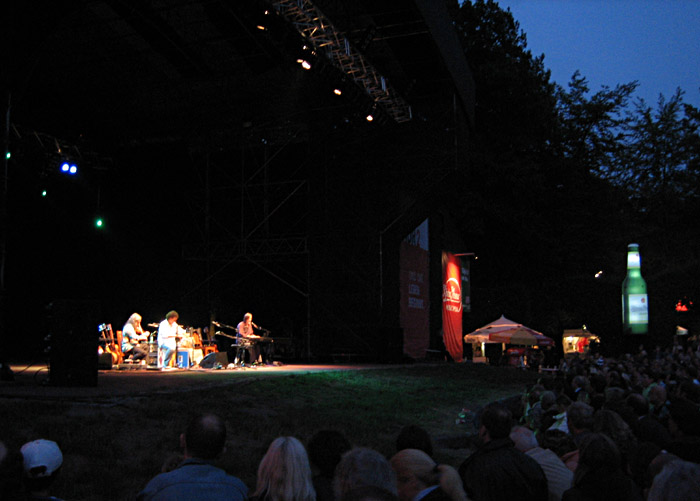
x: 105, y: 361
x: 214, y: 359
x: 74, y: 333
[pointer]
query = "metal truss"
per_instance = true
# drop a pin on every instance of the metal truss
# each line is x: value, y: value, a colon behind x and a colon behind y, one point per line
x: 324, y: 37
x: 243, y: 250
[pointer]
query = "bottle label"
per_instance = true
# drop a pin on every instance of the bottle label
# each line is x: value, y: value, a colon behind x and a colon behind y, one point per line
x: 638, y: 309
x: 633, y: 260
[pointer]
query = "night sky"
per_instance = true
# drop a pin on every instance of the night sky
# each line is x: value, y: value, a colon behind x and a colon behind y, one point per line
x: 652, y: 41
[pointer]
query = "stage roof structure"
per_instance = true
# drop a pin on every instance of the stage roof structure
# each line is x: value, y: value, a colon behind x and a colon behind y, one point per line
x: 127, y: 72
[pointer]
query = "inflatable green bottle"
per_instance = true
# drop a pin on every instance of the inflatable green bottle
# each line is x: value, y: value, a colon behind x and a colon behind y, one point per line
x: 635, y: 303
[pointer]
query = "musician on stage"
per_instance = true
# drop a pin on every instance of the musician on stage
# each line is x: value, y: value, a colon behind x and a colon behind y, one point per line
x: 244, y: 330
x: 134, y: 339
x: 168, y: 333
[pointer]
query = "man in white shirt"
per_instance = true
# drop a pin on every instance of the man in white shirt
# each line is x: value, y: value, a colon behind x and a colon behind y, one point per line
x: 168, y: 332
x: 559, y: 477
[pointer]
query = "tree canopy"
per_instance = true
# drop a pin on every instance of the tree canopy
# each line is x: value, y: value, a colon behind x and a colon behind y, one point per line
x: 561, y: 179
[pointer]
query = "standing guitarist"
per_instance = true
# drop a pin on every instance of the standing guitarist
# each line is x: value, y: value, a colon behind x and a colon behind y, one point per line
x: 168, y: 334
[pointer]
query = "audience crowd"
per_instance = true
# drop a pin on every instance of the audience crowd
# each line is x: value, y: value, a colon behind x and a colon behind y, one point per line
x: 597, y: 428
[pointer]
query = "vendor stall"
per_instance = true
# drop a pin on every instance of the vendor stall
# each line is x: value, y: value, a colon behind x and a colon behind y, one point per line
x: 491, y: 340
x: 578, y: 340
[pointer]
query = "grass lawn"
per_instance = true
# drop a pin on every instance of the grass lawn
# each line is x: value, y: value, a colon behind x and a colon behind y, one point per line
x: 112, y: 447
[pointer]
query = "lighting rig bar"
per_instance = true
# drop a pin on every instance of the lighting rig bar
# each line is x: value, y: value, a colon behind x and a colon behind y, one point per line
x: 242, y: 250
x: 318, y: 31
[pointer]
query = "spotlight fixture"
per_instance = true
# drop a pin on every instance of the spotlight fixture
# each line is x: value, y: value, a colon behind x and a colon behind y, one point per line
x: 318, y: 31
x: 372, y: 112
x: 337, y: 92
x: 68, y: 168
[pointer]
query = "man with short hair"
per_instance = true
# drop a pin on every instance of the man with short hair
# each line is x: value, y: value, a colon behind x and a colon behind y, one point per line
x: 579, y: 419
x: 196, y: 477
x: 646, y: 427
x: 559, y: 477
x: 497, y: 470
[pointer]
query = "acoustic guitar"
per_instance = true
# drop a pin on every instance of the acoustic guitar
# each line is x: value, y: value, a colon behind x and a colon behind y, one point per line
x: 108, y: 338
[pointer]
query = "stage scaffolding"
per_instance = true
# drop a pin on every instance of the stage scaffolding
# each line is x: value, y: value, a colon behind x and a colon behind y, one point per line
x: 312, y: 210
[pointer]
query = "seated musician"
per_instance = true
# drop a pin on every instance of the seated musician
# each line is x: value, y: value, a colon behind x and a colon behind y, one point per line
x: 244, y: 330
x: 134, y: 339
x: 187, y: 343
x: 169, y: 333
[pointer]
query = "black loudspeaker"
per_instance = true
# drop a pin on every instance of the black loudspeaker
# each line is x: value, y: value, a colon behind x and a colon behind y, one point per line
x: 214, y: 359
x: 74, y: 332
x: 105, y: 361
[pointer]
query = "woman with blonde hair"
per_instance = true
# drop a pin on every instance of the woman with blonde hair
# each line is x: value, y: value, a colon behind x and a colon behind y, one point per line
x: 284, y: 474
x: 420, y: 478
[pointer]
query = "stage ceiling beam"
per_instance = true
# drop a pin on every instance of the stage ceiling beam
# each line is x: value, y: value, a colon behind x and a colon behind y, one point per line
x: 323, y: 37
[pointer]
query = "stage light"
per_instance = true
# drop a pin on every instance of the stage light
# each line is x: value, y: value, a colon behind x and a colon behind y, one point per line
x: 337, y: 92
x: 305, y: 64
x: 99, y: 223
x: 44, y: 193
x: 372, y: 111
x: 8, y: 155
x: 69, y: 168
x: 261, y: 27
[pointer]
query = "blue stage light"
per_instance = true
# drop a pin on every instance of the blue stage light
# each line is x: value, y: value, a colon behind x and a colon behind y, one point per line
x: 69, y: 168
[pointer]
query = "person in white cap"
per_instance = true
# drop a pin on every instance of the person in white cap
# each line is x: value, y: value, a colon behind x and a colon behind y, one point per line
x: 41, y: 461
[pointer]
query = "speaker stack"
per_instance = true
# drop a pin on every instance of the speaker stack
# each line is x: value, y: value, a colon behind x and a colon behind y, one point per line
x: 73, y: 357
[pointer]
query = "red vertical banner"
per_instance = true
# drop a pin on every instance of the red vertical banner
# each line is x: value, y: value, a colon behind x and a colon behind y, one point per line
x: 452, y: 305
x: 415, y: 301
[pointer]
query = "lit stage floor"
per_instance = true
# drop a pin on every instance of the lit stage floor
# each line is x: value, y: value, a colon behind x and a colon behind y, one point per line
x: 32, y: 381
